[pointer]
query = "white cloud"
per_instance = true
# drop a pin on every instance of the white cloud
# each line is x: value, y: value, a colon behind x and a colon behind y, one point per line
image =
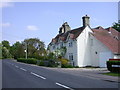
x: 32, y: 27
x: 7, y: 24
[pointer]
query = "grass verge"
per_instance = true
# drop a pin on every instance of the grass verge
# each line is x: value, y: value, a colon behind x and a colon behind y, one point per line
x: 112, y: 74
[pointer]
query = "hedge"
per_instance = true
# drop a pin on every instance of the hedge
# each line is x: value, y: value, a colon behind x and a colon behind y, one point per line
x: 28, y: 60
x: 113, y: 69
x: 48, y: 63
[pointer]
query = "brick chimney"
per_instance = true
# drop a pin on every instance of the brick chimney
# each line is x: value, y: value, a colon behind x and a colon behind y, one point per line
x: 86, y: 21
x: 64, y: 28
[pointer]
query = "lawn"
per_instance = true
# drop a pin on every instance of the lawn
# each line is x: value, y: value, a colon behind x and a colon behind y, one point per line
x: 112, y: 74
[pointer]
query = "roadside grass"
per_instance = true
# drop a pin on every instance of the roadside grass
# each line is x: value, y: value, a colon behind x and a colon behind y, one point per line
x: 112, y: 74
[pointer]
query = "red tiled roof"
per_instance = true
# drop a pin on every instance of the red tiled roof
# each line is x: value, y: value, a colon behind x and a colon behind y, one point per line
x: 109, y: 37
x: 73, y: 34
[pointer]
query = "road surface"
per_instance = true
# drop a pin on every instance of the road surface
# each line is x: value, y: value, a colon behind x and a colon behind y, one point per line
x: 19, y: 75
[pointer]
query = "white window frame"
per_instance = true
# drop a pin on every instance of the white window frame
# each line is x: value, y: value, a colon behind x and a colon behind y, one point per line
x: 70, y: 44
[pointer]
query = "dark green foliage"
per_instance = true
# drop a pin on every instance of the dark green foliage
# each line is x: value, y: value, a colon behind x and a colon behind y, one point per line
x: 67, y: 66
x: 17, y: 50
x: 6, y: 44
x: 41, y: 63
x: 48, y: 63
x: 51, y: 56
x: 29, y: 60
x: 113, y: 69
x: 35, y: 47
x: 116, y: 26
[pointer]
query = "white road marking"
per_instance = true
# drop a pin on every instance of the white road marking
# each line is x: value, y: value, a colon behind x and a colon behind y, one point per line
x: 38, y: 75
x: 16, y: 66
x: 23, y: 69
x: 64, y: 86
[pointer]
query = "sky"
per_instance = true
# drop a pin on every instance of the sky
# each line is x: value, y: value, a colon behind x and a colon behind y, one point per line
x: 21, y: 20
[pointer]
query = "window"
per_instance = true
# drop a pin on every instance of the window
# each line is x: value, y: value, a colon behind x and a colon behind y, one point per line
x: 95, y: 52
x: 70, y: 44
x: 61, y: 44
x: 54, y: 47
x: 70, y: 56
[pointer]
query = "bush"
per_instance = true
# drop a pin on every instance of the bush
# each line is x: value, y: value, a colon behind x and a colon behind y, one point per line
x: 29, y: 60
x: 22, y: 60
x: 64, y: 61
x: 67, y: 66
x: 41, y: 63
x: 113, y: 69
x: 48, y: 63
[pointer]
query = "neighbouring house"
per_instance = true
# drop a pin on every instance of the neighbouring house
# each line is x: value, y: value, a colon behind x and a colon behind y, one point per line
x: 86, y: 46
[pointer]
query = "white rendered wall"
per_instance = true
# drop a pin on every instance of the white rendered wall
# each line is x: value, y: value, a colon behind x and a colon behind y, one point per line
x: 103, y: 53
x: 73, y: 50
x: 83, y: 48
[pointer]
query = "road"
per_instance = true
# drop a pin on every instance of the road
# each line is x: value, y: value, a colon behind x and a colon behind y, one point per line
x: 19, y: 75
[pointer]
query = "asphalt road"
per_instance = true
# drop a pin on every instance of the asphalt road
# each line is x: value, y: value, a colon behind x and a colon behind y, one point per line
x: 19, y: 75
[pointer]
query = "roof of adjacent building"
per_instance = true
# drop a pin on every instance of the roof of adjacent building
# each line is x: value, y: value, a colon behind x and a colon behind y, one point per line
x: 109, y: 37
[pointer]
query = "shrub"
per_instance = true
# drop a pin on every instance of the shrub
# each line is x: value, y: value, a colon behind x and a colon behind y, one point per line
x: 22, y: 60
x: 113, y: 69
x: 67, y: 66
x: 64, y: 61
x: 29, y: 60
x: 48, y: 63
x: 41, y: 63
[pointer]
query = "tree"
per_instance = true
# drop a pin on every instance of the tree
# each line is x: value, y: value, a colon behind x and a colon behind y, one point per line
x: 0, y: 51
x: 6, y: 44
x: 5, y: 49
x: 35, y: 47
x: 17, y: 50
x: 116, y: 26
x: 5, y: 52
x: 60, y: 52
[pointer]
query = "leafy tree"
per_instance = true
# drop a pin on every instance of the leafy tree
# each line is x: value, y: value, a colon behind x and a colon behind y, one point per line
x: 5, y: 48
x: 5, y: 53
x: 6, y: 44
x: 0, y: 51
x: 60, y: 52
x: 116, y: 26
x: 35, y: 47
x: 17, y: 50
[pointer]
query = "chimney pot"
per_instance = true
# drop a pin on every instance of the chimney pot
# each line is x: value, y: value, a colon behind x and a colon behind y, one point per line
x: 86, y: 21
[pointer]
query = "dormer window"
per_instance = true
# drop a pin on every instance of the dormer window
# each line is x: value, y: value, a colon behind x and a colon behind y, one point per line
x: 116, y: 37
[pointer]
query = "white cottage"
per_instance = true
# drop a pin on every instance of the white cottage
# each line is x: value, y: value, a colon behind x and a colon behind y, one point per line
x: 86, y: 46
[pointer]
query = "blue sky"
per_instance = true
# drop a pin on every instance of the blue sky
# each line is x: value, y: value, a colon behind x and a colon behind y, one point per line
x: 42, y: 20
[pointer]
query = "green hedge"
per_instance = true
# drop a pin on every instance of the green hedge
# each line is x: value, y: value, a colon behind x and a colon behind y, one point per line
x: 67, y: 66
x: 48, y: 63
x: 29, y: 60
x: 113, y: 69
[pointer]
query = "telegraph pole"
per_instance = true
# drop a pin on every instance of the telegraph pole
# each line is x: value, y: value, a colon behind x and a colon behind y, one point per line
x: 26, y: 50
